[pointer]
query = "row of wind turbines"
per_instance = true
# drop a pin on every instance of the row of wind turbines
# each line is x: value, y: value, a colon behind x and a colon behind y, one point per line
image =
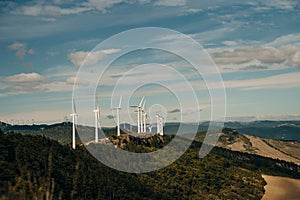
x: 141, y: 120
x: 17, y: 122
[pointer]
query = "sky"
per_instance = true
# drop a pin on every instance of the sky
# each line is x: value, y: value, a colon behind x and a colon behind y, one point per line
x: 255, y: 46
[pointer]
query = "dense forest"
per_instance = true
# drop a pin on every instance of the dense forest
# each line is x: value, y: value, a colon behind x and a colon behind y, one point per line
x: 35, y: 167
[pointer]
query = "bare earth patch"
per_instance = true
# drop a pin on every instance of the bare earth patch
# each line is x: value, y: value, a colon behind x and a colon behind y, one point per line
x: 281, y: 188
x: 283, y: 150
x: 237, y: 146
x: 264, y: 149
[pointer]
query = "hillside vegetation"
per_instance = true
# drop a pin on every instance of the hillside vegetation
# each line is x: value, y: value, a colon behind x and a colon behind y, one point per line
x: 35, y: 167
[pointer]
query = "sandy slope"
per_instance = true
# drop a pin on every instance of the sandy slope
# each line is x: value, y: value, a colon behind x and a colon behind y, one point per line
x: 283, y: 150
x: 264, y: 149
x: 281, y: 188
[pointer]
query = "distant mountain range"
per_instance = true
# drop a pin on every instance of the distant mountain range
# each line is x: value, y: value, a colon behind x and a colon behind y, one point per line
x: 282, y: 130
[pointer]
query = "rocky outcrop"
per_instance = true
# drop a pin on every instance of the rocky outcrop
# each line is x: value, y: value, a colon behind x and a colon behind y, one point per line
x: 147, y: 140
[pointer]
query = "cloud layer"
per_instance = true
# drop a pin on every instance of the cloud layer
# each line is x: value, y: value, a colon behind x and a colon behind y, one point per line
x: 56, y: 8
x: 258, y: 57
x: 26, y: 78
x: 28, y: 83
x: 20, y: 49
x: 78, y: 57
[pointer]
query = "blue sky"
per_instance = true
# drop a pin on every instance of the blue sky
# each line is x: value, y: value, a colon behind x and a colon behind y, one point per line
x: 255, y: 45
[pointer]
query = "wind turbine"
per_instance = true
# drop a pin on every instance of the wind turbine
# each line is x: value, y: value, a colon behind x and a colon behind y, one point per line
x: 161, y: 126
x: 144, y: 115
x: 150, y: 128
x: 145, y: 125
x: 118, y: 116
x: 74, y: 120
x: 157, y: 124
x: 97, y: 117
x: 139, y: 114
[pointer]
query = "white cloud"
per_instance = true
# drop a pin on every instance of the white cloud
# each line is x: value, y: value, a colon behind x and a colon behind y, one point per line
x: 27, y: 83
x: 78, y: 57
x: 296, y: 58
x: 24, y: 83
x: 25, y: 78
x: 58, y: 8
x: 29, y: 10
x: 285, y: 40
x: 260, y: 56
x: 110, y: 51
x: 16, y: 46
x: 48, y: 19
x: 280, y: 4
x: 48, y: 10
x: 170, y: 3
x: 230, y: 43
x: 20, y: 49
x: 102, y: 5
x: 246, y: 54
x: 71, y: 80
x: 189, y: 11
x: 288, y: 80
x: 213, y: 35
x: 193, y: 10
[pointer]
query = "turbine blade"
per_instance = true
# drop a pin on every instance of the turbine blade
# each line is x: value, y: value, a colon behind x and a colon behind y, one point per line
x: 141, y: 102
x: 120, y: 102
x: 74, y: 106
x: 96, y: 103
x: 98, y: 118
x: 144, y: 104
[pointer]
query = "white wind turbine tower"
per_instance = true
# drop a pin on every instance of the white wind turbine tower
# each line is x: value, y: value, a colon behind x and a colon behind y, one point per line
x: 145, y: 126
x: 157, y: 124
x: 144, y: 114
x: 139, y: 114
x: 150, y: 128
x: 74, y: 120
x: 118, y: 116
x: 161, y: 126
x: 97, y: 118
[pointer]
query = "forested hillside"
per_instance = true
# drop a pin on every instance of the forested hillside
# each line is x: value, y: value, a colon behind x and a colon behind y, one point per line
x: 35, y: 167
